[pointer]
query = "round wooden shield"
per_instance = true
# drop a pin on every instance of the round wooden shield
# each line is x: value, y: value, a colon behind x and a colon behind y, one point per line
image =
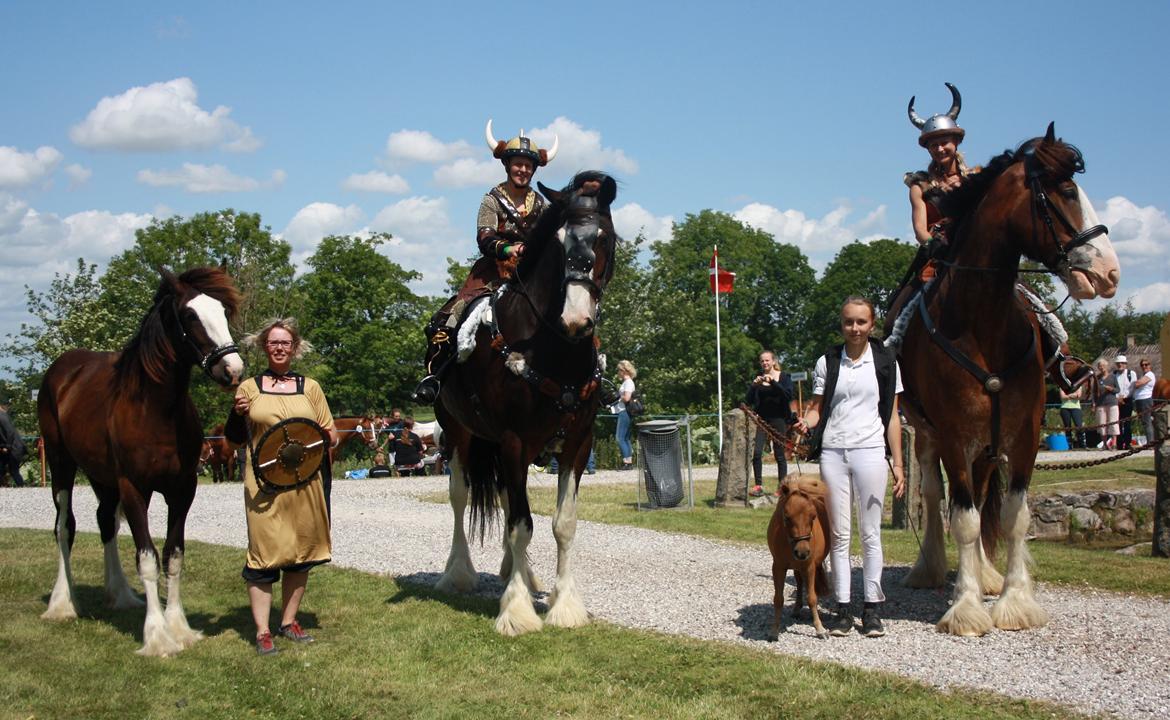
x: 290, y: 454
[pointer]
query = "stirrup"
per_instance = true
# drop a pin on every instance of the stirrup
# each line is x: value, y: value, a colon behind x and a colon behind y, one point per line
x: 427, y: 390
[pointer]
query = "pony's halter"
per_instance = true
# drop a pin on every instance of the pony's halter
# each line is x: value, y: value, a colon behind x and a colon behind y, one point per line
x: 204, y: 361
x: 1044, y: 208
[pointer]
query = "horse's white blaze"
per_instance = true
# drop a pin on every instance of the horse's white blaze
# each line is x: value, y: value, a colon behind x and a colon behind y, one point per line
x: 580, y: 311
x: 1017, y: 608
x: 155, y: 638
x: 517, y: 614
x: 61, y: 603
x: 459, y: 575
x: 566, y: 608
x: 214, y: 320
x: 176, y: 618
x: 967, y: 616
x: 1094, y: 266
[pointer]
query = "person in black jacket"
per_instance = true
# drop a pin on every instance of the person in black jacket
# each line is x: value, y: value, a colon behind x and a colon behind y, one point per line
x: 770, y: 395
x: 408, y: 450
x: 12, y: 447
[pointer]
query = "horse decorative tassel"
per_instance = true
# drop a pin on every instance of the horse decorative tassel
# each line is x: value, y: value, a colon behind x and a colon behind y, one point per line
x: 979, y: 344
x: 126, y: 419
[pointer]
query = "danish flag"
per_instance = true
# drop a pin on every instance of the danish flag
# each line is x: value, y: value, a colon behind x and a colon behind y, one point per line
x: 726, y: 280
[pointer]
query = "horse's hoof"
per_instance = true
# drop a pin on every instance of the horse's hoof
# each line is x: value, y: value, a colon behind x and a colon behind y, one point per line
x: 965, y: 620
x: 922, y: 576
x: 823, y: 634
x: 1016, y: 611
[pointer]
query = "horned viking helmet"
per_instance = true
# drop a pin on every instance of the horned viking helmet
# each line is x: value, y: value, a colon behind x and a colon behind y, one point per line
x: 943, y: 124
x: 520, y: 146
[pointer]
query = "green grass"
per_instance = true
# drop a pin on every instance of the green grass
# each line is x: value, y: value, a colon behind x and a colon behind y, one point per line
x: 389, y: 650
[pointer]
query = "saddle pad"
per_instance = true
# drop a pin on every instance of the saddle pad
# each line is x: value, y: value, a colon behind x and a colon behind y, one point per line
x: 479, y: 313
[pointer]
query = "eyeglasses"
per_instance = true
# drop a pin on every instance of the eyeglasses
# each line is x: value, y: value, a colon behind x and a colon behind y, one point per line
x: 279, y: 343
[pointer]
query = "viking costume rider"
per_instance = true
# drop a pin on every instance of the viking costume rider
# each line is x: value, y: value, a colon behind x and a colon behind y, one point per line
x: 941, y: 136
x: 507, y: 214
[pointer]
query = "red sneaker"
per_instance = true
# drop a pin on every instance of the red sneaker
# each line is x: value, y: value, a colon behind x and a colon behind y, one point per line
x: 264, y: 645
x: 757, y: 491
x: 293, y: 632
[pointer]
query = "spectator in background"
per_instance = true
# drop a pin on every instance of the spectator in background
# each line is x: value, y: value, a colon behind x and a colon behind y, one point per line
x: 408, y: 450
x: 1105, y: 401
x: 1125, y: 380
x: 1071, y: 416
x: 626, y: 373
x: 380, y: 469
x: 771, y: 396
x: 1143, y: 399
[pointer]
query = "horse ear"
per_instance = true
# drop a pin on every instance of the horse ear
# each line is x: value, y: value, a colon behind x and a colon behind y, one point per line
x: 168, y: 277
x: 554, y: 196
x: 1050, y: 136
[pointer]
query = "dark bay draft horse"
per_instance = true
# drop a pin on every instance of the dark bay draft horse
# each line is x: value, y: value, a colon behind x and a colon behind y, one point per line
x: 126, y: 419
x: 973, y: 371
x: 530, y: 386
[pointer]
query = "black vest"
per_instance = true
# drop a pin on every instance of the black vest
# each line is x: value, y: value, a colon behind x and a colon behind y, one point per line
x: 884, y: 364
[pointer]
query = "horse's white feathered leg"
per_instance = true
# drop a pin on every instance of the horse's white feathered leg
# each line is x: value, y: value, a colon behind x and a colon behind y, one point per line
x: 930, y: 571
x: 534, y: 584
x: 566, y: 608
x: 517, y: 614
x: 119, y: 594
x: 1017, y: 608
x: 966, y: 616
x: 176, y: 618
x: 459, y: 574
x: 155, y: 638
x: 62, y: 606
x: 990, y: 580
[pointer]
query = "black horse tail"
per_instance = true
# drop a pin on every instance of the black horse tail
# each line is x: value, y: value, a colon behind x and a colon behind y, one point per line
x: 482, y: 472
x: 990, y: 524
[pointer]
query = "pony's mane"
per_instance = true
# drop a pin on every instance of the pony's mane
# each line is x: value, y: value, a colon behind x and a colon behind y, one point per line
x: 151, y: 348
x: 811, y: 486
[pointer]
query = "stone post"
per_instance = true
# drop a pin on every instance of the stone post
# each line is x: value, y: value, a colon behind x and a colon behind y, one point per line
x: 735, y: 461
x: 1161, y: 544
x: 910, y: 504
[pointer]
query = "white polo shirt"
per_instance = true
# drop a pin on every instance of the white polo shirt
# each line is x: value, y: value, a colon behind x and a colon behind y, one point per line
x: 852, y: 417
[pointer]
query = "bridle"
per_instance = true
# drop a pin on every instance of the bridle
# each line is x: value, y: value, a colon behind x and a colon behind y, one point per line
x: 206, y: 361
x: 1043, y: 208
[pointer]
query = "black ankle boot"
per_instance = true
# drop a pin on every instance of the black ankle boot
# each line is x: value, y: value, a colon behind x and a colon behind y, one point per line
x: 842, y: 623
x: 871, y: 620
x: 427, y: 390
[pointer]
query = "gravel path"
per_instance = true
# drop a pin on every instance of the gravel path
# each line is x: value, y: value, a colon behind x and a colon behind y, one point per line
x: 1101, y: 651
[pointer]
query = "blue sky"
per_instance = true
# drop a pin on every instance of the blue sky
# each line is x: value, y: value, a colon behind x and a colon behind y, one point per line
x: 349, y: 117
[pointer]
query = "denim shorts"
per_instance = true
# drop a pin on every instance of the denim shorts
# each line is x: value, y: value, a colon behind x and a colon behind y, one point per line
x: 271, y: 575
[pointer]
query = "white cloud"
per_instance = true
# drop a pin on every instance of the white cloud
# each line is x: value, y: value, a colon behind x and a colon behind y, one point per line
x: 18, y: 169
x: 422, y: 147
x: 35, y: 245
x: 581, y: 149
x: 195, y: 178
x: 78, y: 175
x: 466, y: 172
x: 160, y: 117
x: 631, y: 219
x: 377, y: 182
x: 820, y: 239
x: 1154, y: 297
x: 1137, y: 233
x: 423, y: 239
x: 316, y: 221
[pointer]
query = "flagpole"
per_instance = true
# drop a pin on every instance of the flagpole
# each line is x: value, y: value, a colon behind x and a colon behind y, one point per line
x: 718, y: 350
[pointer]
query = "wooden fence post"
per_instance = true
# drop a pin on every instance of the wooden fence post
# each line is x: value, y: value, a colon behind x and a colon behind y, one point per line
x: 1161, y: 545
x: 910, y: 504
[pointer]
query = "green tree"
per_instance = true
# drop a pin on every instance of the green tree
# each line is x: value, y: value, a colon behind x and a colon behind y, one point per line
x: 772, y: 282
x: 871, y: 270
x: 365, y: 323
x: 1090, y: 333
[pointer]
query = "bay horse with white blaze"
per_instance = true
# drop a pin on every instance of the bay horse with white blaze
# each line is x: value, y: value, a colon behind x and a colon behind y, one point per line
x: 349, y: 428
x: 530, y: 386
x: 974, y: 372
x: 126, y: 419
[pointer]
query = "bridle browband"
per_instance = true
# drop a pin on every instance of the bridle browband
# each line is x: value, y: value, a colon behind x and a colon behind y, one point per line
x: 204, y: 361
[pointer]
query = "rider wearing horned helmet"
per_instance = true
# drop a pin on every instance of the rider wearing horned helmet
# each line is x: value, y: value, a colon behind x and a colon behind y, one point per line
x: 941, y: 136
x: 506, y: 216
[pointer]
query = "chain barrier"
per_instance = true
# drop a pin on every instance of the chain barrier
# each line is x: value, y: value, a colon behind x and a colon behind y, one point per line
x: 1100, y: 461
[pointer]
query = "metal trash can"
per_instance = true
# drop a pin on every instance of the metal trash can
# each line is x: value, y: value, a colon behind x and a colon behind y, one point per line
x: 660, y: 457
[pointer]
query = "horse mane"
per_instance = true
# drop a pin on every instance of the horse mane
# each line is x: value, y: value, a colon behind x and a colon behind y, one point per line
x: 814, y: 487
x: 1056, y: 160
x: 151, y: 348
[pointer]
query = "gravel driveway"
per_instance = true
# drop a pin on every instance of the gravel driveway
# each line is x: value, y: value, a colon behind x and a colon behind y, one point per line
x: 1100, y: 652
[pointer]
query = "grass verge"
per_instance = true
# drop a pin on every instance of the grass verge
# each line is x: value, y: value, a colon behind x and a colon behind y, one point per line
x: 386, y: 650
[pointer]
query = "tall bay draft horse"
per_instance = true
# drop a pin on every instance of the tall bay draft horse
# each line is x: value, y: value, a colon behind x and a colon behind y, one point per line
x: 978, y: 343
x: 530, y: 386
x: 126, y: 419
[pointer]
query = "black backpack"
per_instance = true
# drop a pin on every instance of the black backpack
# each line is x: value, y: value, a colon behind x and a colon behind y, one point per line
x: 634, y: 406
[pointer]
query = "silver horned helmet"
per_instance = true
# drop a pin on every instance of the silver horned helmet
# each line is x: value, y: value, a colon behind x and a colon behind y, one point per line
x: 942, y: 124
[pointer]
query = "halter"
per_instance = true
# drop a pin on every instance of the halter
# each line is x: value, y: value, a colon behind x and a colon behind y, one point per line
x: 204, y: 361
x: 1044, y: 208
